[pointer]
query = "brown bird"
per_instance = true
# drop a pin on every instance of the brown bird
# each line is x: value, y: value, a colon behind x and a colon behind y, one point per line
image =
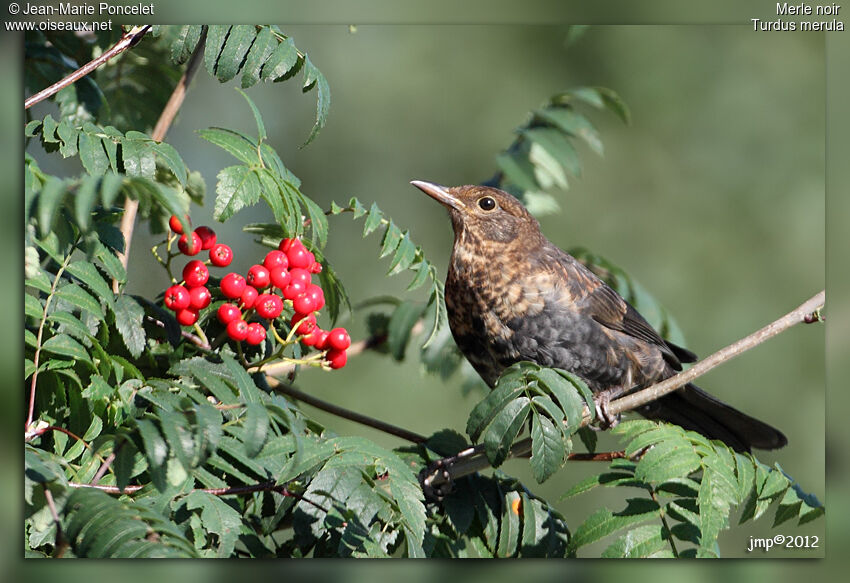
x: 512, y: 295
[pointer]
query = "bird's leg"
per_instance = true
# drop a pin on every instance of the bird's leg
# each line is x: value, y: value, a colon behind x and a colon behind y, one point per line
x: 605, y: 419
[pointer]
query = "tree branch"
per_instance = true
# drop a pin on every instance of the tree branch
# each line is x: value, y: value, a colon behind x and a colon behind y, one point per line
x: 441, y: 474
x: 129, y: 39
x: 166, y: 118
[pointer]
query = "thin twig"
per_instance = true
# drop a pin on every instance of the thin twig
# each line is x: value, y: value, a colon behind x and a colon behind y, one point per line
x: 129, y: 39
x: 59, y: 548
x: 346, y: 413
x: 166, y: 118
x: 474, y: 460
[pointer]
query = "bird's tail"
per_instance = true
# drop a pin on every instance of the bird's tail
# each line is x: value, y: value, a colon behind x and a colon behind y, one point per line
x: 694, y: 409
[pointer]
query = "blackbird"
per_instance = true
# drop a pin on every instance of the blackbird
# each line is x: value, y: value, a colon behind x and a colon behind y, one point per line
x: 512, y: 295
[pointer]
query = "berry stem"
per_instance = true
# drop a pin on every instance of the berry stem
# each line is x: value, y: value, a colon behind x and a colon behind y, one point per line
x: 201, y: 334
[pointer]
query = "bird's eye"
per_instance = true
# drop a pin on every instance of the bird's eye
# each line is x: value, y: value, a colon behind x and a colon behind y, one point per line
x: 486, y: 203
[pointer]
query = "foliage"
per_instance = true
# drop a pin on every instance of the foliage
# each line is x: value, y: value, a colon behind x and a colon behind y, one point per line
x: 195, y: 453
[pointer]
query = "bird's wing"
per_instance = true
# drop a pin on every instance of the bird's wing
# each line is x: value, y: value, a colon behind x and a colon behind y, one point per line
x: 608, y: 308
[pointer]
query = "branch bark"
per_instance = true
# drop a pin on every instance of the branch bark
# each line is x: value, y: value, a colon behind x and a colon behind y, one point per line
x: 166, y: 118
x: 443, y: 472
x: 129, y: 39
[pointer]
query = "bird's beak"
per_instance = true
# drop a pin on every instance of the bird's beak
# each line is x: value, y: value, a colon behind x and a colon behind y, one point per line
x: 438, y: 193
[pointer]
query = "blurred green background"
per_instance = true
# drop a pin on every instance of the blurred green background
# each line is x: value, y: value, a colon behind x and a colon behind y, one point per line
x: 713, y: 198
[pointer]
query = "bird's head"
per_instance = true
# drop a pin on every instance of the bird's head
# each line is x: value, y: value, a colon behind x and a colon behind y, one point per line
x: 484, y: 213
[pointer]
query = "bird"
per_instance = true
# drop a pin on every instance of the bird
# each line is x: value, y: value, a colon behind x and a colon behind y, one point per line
x: 512, y: 295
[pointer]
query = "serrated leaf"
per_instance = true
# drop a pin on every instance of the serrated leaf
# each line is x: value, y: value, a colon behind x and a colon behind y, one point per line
x: 484, y: 412
x: 264, y: 45
x: 558, y: 146
x: 261, y: 128
x: 92, y: 154
x: 184, y: 45
x: 237, y: 188
x: 128, y: 320
x: 544, y: 532
x: 314, y: 78
x: 373, y: 220
x: 235, y: 143
x: 216, y: 37
x: 156, y: 450
x: 217, y: 517
x: 33, y: 307
x: 402, y: 320
x: 502, y: 431
x: 509, y: 533
x: 138, y: 155
x: 405, y: 253
x: 548, y: 448
x: 284, y: 57
x: 64, y: 345
x: 89, y: 275
x: 640, y: 542
x: 573, y: 123
x: 256, y: 426
x: 603, y: 522
x: 76, y: 295
x: 173, y: 160
x: 229, y: 61
x: 667, y: 460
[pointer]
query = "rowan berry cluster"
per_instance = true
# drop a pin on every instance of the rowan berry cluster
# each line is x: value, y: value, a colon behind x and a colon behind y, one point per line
x: 280, y: 286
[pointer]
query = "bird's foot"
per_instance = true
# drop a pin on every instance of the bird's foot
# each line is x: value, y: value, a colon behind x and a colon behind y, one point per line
x: 604, y: 418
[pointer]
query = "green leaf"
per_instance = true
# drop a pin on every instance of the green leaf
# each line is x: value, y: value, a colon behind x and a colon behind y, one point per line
x: 256, y: 425
x: 282, y: 60
x: 89, y: 275
x: 509, y: 533
x: 138, y: 155
x: 405, y: 253
x: 264, y: 45
x: 49, y: 200
x: 184, y: 45
x: 216, y: 37
x: 373, y: 219
x: 173, y: 160
x: 235, y: 143
x: 483, y: 413
x: 544, y: 531
x: 237, y: 188
x: 64, y: 345
x: 603, y: 522
x: 502, y: 432
x: 402, y: 320
x: 518, y: 170
x: 33, y: 307
x: 156, y: 451
x: 128, y: 320
x: 667, y: 460
x: 217, y: 517
x: 558, y: 146
x: 239, y: 40
x: 92, y: 154
x: 314, y: 78
x: 640, y: 542
x: 261, y: 128
x: 548, y: 448
x: 573, y: 123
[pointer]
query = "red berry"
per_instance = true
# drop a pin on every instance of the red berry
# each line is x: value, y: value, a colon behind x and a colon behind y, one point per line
x: 256, y: 333
x: 227, y: 313
x: 176, y: 226
x: 316, y: 267
x: 232, y: 285
x: 288, y: 244
x: 315, y: 292
x: 303, y: 304
x: 258, y: 277
x: 313, y: 338
x: 177, y: 297
x: 207, y: 236
x: 199, y: 297
x: 186, y: 248
x: 195, y: 273
x: 336, y: 358
x: 187, y: 316
x: 338, y: 339
x: 300, y: 274
x: 275, y: 259
x: 280, y: 277
x: 249, y: 296
x: 299, y: 257
x: 237, y: 329
x: 293, y: 290
x: 269, y: 306
x: 307, y: 325
x: 322, y: 339
x: 221, y: 255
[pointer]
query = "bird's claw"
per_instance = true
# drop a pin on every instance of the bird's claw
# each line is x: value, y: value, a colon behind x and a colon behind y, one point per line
x: 436, y: 480
x: 604, y: 418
